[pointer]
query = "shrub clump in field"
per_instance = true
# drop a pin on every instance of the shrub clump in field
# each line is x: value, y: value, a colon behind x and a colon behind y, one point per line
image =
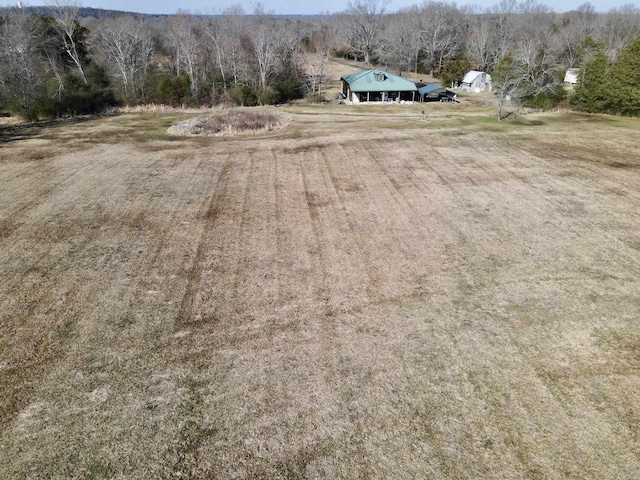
x: 230, y: 123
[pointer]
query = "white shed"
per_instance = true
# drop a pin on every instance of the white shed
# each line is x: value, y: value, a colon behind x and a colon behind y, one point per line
x: 571, y: 77
x: 475, y: 81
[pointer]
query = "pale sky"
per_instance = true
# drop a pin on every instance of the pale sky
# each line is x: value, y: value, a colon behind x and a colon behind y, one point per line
x: 308, y: 7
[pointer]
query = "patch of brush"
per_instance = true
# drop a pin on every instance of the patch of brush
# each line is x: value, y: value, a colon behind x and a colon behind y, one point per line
x: 238, y: 122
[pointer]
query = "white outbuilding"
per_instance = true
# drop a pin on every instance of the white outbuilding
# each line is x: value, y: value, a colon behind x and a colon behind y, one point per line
x: 475, y: 81
x: 571, y: 76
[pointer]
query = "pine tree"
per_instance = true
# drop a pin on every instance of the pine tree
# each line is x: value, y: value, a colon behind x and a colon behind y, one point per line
x: 591, y: 95
x: 623, y: 82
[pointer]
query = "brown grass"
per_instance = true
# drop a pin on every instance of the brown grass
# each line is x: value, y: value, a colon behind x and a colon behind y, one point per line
x: 362, y: 295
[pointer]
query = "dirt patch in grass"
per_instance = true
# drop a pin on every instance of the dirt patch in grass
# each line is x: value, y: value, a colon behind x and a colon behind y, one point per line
x: 242, y: 122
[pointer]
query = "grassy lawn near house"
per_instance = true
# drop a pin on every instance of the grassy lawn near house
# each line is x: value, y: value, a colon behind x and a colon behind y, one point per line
x: 364, y: 294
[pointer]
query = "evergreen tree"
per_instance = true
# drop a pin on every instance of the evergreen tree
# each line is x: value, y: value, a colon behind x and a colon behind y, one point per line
x: 591, y: 94
x: 623, y: 82
x: 453, y: 71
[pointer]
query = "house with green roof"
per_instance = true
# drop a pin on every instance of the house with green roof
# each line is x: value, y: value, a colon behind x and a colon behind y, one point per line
x: 377, y: 86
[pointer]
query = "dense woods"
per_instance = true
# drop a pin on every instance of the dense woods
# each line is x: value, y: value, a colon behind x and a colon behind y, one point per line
x: 57, y: 61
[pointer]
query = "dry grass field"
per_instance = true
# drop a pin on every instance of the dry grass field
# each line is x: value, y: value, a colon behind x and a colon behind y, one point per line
x: 364, y: 294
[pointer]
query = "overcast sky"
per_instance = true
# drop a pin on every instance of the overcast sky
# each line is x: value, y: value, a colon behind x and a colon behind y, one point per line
x: 308, y: 7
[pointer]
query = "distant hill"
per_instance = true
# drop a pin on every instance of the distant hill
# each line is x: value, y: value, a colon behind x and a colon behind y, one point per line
x: 86, y: 12
x: 97, y: 13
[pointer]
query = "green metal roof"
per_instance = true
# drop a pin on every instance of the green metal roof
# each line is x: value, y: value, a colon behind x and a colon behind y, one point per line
x: 375, y: 80
x: 430, y: 88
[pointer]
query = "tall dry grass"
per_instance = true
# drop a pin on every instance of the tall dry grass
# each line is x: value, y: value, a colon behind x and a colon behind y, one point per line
x: 235, y: 122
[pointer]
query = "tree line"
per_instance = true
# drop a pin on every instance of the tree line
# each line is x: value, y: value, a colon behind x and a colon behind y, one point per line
x: 57, y: 63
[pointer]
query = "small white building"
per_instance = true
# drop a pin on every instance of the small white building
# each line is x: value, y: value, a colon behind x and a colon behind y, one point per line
x: 571, y: 77
x: 475, y: 81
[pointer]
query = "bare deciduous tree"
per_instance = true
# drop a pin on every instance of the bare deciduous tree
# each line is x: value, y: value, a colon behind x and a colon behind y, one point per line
x: 505, y: 26
x: 531, y: 71
x: 479, y: 42
x: 288, y: 40
x: 186, y: 41
x: 22, y: 70
x: 123, y: 44
x: 263, y: 43
x: 621, y: 27
x: 401, y: 42
x: 232, y: 25
x: 321, y: 40
x: 573, y: 28
x: 365, y: 22
x: 65, y: 15
x: 224, y: 33
x: 440, y: 33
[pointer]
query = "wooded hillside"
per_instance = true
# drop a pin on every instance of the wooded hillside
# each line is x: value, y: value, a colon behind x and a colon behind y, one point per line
x: 63, y: 60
